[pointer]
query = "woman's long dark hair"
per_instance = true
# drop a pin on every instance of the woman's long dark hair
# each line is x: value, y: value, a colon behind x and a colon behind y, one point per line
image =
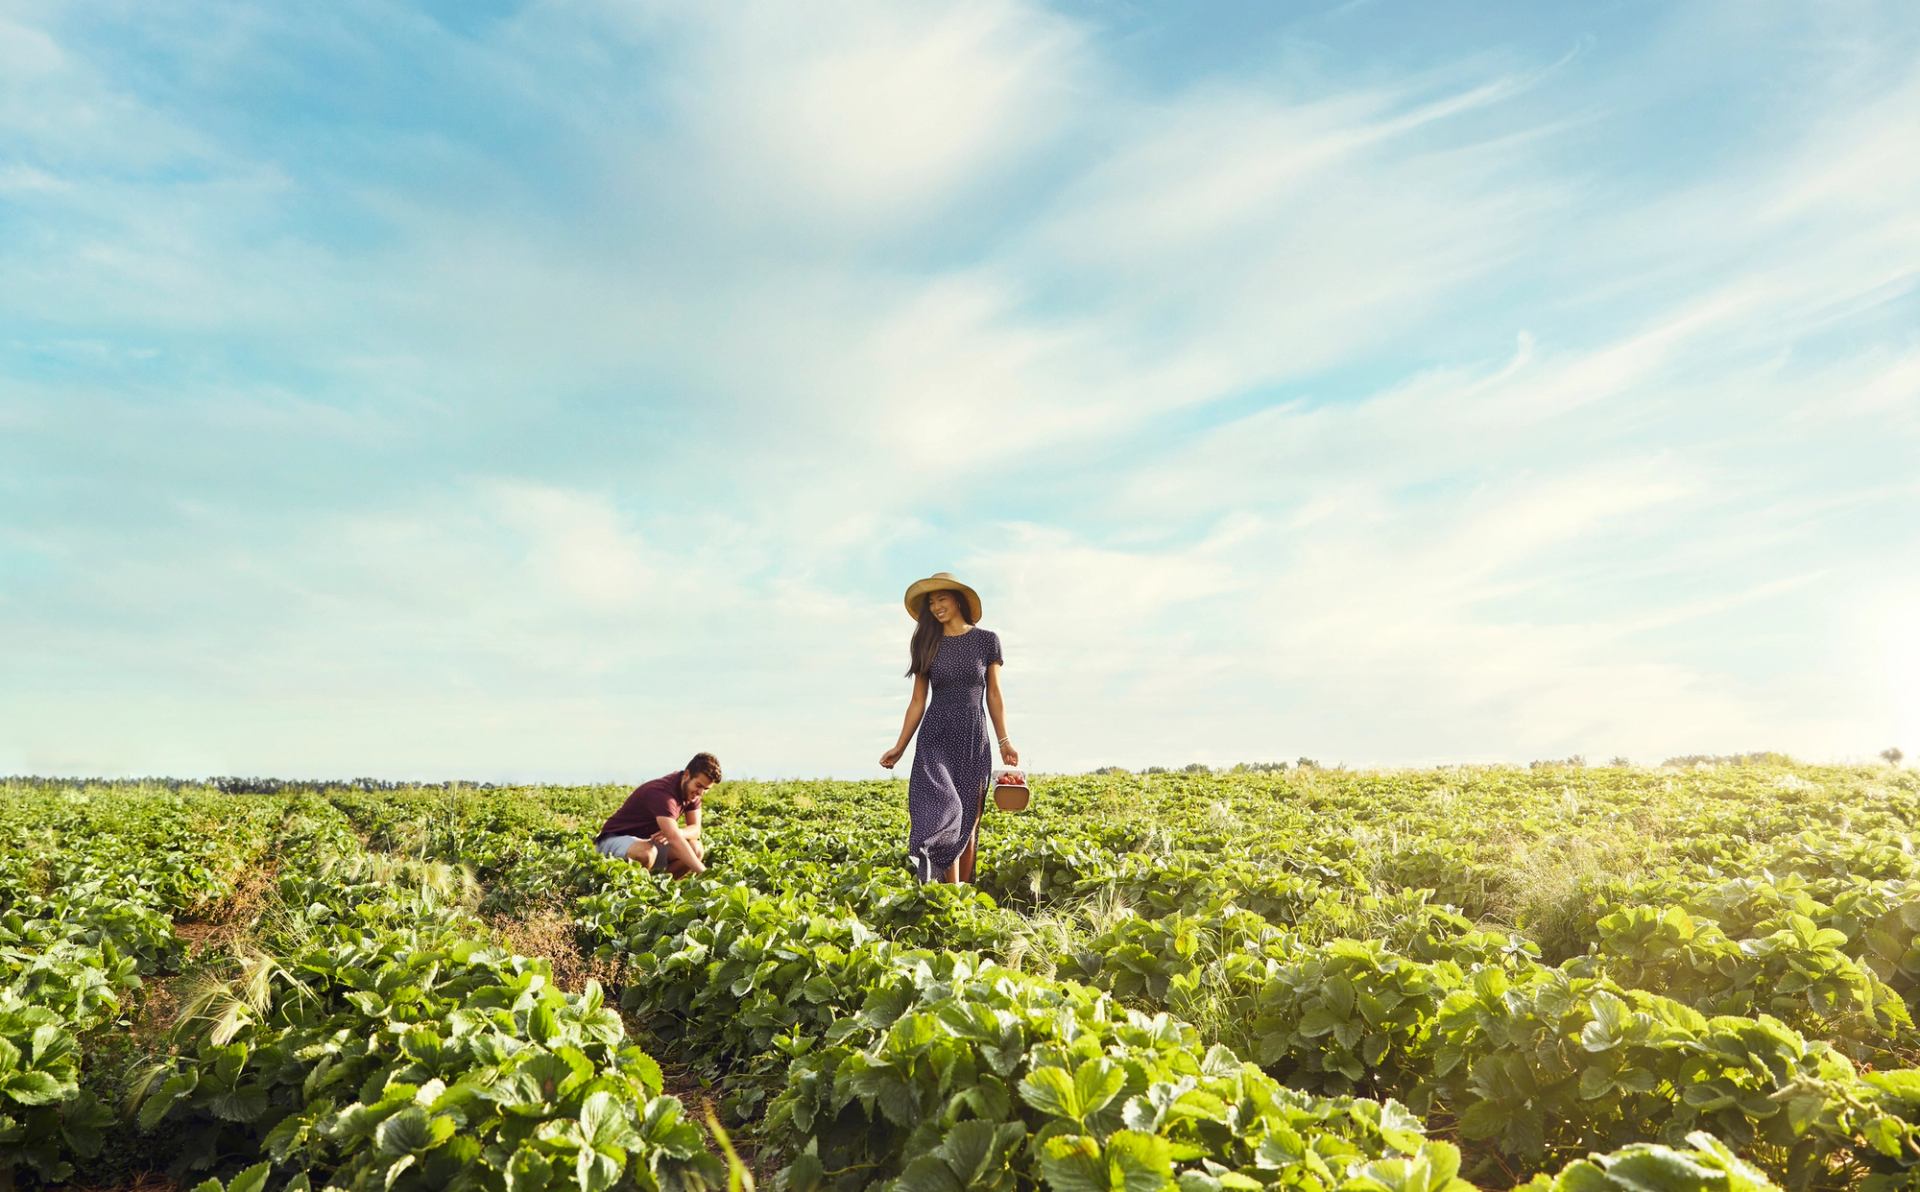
x: 927, y: 634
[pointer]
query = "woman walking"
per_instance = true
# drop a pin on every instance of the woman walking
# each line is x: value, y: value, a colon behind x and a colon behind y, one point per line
x: 955, y: 664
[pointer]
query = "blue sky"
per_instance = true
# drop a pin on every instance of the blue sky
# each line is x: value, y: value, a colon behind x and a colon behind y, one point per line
x: 543, y: 390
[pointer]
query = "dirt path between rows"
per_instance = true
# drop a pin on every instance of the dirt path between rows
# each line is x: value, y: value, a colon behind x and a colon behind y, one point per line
x: 550, y: 935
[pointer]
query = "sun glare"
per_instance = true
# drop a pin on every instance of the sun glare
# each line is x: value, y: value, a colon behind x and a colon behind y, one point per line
x: 1901, y: 658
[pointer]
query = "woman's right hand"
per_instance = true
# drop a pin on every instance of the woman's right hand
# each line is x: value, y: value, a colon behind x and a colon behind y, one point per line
x: 891, y: 756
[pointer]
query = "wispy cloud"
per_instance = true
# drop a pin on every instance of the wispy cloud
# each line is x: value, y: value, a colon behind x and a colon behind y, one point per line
x: 544, y: 393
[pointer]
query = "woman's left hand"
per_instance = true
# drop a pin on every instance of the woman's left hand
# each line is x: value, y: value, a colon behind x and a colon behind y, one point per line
x: 1009, y: 756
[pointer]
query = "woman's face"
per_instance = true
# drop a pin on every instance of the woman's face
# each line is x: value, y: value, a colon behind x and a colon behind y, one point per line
x: 943, y: 607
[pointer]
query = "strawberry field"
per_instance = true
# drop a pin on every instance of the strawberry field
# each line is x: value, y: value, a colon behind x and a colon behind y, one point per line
x: 1576, y: 978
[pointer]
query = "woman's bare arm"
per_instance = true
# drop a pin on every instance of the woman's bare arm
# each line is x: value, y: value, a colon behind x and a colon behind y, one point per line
x: 916, y: 708
x: 997, y: 709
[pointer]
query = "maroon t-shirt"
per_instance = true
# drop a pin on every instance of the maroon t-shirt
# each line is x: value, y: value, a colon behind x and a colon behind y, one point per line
x: 638, y: 815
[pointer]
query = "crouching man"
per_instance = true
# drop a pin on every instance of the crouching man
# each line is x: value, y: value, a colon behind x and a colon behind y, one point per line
x: 647, y: 828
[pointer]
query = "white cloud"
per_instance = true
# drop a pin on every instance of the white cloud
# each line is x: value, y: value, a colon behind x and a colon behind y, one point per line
x: 1415, y: 565
x: 16, y: 179
x: 1365, y: 647
x: 577, y: 544
x: 863, y: 117
x: 1888, y: 394
x: 504, y: 630
x: 28, y: 53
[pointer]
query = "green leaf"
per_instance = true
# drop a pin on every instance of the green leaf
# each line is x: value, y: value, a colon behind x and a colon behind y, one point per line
x: 1130, y: 1162
x: 604, y: 1121
x: 1096, y: 1083
x: 37, y: 1088
x: 50, y: 1042
x: 1903, y: 1083
x: 930, y: 1173
x: 1339, y: 994
x: 253, y: 1179
x: 398, y: 1169
x: 157, y: 1103
x: 1142, y: 1162
x: 405, y: 1133
x: 1400, y: 1127
x: 805, y: 1173
x: 528, y: 1171
x: 1444, y: 1159
x: 1609, y: 1014
x: 596, y: 1170
x: 1654, y: 1166
x: 1374, y: 1049
x: 1051, y: 1091
x: 292, y: 1133
x: 423, y: 1043
x: 967, y: 1148
x: 895, y: 1098
x: 542, y: 1024
x: 243, y: 1104
x: 645, y: 1069
x: 1072, y: 1163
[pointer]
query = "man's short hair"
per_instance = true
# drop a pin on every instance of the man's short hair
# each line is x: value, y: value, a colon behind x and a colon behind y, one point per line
x: 704, y: 763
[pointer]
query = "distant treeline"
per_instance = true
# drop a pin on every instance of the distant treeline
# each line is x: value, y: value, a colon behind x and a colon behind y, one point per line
x: 260, y: 786
x: 285, y: 786
x: 1764, y: 758
x: 1761, y: 758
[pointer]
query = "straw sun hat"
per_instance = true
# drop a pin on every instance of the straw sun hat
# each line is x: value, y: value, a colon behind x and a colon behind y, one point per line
x: 941, y: 581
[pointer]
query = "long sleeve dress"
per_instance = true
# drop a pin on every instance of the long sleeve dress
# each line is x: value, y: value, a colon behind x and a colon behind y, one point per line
x: 953, y: 759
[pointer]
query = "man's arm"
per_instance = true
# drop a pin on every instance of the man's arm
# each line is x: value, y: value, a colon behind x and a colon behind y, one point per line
x: 690, y: 829
x: 683, y: 850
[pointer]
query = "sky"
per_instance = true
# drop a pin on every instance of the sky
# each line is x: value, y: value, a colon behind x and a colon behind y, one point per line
x: 544, y: 391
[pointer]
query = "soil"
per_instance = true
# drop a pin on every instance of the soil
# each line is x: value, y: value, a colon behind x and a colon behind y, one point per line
x: 550, y: 936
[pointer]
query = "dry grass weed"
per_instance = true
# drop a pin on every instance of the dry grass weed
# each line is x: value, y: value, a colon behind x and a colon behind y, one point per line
x: 1042, y: 944
x: 232, y: 917
x: 1547, y: 891
x: 549, y: 936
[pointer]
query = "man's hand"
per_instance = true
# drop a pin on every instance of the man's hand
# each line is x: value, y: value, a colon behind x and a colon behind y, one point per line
x: 681, y: 850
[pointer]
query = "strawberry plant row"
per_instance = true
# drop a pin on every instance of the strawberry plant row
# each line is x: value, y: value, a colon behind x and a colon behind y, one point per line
x: 88, y: 891
x: 1438, y: 939
x: 375, y: 1037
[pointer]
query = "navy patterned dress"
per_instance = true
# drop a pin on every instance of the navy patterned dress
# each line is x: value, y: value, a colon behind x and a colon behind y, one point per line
x: 953, y: 760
